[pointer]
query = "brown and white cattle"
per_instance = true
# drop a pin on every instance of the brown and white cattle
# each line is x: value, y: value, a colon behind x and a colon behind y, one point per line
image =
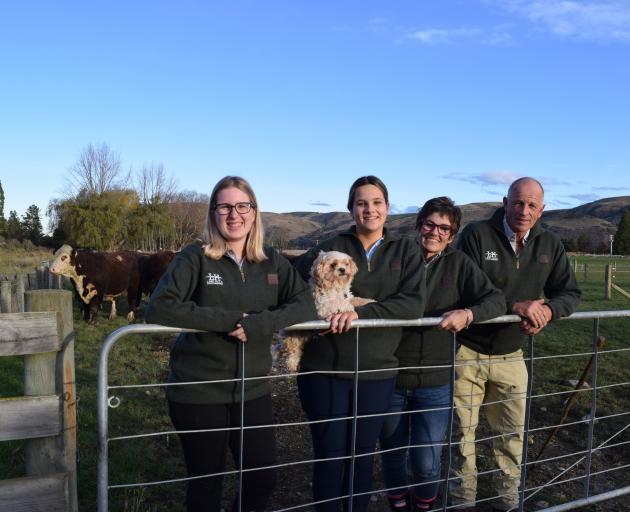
x: 99, y: 276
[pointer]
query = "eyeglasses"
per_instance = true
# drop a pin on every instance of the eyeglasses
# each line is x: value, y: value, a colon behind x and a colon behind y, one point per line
x: 443, y: 229
x: 226, y: 209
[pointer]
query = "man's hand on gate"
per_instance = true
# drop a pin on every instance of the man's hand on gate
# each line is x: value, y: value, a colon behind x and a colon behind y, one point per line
x: 535, y: 314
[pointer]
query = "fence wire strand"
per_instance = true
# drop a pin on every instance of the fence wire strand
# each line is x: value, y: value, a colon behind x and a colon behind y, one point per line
x: 527, y: 492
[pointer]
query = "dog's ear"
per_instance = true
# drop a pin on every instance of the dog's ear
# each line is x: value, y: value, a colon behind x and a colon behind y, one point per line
x: 318, y: 265
x: 352, y: 267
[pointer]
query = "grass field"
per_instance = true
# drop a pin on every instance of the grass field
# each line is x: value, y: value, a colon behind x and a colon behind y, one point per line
x: 16, y: 260
x: 137, y: 360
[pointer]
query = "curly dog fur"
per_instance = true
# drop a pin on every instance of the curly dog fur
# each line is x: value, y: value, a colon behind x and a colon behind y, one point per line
x: 331, y: 274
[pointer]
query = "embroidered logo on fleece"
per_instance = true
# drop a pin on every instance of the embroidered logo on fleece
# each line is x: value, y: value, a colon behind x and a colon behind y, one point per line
x: 492, y: 256
x: 214, y: 279
x: 543, y: 258
x: 272, y: 279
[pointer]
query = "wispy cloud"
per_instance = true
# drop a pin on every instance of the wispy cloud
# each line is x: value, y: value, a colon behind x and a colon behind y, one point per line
x: 403, y: 209
x: 504, y: 179
x: 557, y: 202
x: 379, y: 25
x: 433, y: 36
x: 584, y: 197
x: 486, y: 178
x: 593, y: 20
x: 319, y: 203
x: 611, y: 188
x: 549, y: 181
x: 499, y: 35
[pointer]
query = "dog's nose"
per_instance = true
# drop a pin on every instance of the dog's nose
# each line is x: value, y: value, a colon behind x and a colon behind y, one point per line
x: 342, y: 270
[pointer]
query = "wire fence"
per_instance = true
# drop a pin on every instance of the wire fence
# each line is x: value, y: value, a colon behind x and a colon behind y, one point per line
x: 575, y: 467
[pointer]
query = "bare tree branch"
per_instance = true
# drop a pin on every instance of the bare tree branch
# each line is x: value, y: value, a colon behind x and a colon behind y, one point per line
x: 97, y: 170
x: 154, y: 186
x: 188, y: 209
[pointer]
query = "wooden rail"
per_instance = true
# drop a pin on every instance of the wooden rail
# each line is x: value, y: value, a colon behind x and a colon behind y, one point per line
x: 46, y: 415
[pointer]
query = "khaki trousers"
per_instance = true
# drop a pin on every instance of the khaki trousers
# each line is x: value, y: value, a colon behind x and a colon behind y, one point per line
x: 488, y: 379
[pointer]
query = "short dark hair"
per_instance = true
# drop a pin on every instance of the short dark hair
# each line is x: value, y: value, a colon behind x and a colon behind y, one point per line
x: 366, y: 180
x: 444, y: 206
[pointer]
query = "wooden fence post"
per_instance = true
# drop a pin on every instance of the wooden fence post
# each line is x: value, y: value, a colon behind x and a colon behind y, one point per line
x: 575, y: 265
x: 585, y: 272
x: 5, y: 297
x: 20, y: 288
x: 41, y: 371
x: 39, y: 277
x: 608, y: 283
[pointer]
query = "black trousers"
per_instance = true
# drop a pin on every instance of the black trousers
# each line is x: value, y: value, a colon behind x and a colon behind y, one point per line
x: 206, y: 452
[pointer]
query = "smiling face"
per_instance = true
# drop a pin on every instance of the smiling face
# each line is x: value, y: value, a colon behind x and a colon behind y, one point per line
x: 435, y: 234
x: 234, y: 227
x: 524, y: 206
x: 369, y: 211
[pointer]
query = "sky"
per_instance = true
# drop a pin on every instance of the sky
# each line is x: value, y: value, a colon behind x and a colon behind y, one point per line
x: 435, y: 97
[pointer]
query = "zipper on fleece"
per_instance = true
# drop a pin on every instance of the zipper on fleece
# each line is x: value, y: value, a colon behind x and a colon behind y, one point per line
x: 240, y: 268
x: 369, y: 261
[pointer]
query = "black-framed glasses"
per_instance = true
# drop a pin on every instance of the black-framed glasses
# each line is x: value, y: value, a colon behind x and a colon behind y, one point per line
x: 226, y: 209
x: 443, y: 229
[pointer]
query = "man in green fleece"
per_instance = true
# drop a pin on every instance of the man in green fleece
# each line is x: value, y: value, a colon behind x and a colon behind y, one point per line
x: 530, y: 266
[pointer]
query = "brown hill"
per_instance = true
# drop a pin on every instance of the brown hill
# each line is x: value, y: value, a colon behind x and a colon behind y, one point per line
x: 597, y: 219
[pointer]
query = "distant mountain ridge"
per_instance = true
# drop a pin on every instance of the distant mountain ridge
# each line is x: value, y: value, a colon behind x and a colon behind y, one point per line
x: 598, y: 219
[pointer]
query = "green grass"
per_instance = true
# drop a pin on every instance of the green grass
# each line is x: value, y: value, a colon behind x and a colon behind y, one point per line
x: 133, y: 360
x: 143, y: 359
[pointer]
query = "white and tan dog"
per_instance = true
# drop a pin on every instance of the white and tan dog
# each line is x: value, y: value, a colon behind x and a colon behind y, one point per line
x: 332, y: 273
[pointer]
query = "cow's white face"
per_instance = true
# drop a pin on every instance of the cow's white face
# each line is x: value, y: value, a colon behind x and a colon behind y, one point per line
x: 61, y: 263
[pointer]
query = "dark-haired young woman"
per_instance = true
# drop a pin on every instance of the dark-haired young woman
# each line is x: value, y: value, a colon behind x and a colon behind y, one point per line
x: 390, y: 273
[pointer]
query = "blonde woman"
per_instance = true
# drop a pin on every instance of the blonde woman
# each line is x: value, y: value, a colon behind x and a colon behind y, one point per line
x: 238, y: 291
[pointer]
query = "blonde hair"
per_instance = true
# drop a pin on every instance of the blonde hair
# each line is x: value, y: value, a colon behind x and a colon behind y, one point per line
x: 215, y: 246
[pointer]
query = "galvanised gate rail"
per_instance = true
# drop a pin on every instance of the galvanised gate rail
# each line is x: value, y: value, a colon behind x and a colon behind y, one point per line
x: 104, y: 402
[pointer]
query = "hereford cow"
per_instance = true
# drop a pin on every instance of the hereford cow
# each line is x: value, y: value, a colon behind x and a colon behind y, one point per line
x: 151, y: 267
x: 99, y: 276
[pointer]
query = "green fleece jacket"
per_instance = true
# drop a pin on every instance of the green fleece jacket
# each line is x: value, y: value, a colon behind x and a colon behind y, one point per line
x: 453, y: 282
x: 198, y: 292
x: 541, y: 270
x: 393, y: 277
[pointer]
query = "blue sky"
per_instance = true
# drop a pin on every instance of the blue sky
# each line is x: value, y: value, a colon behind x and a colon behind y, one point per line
x: 301, y: 97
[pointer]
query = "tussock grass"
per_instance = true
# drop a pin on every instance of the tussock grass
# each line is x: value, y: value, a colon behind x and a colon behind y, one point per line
x: 18, y: 260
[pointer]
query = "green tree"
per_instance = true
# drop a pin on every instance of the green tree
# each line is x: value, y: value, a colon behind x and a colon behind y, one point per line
x: 97, y: 221
x: 3, y: 221
x: 570, y: 245
x: 32, y: 225
x: 621, y: 243
x: 14, y: 226
x: 584, y: 243
x: 150, y: 227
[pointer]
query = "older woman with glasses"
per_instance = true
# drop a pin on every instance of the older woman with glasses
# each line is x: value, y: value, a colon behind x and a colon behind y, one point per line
x: 459, y: 292
x: 236, y: 291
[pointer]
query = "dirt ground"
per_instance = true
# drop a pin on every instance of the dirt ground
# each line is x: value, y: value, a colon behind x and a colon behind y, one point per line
x: 294, y: 443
